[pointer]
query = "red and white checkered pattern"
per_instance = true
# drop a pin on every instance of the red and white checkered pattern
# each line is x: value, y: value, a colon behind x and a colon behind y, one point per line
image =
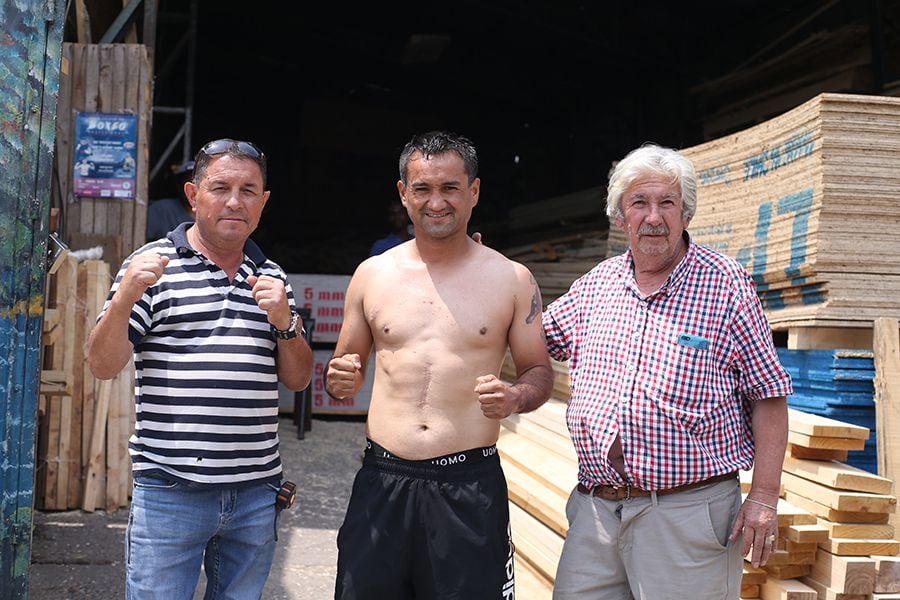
x: 680, y: 404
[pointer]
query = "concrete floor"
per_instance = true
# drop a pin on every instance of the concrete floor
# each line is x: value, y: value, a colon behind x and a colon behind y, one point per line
x: 79, y: 556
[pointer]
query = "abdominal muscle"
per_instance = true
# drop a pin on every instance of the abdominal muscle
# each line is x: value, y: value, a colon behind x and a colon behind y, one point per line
x: 424, y: 403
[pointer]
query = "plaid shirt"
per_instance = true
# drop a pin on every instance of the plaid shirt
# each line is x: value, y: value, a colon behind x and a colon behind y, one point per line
x: 675, y: 374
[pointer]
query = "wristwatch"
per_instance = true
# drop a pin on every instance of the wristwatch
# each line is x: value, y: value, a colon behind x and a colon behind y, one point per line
x: 291, y: 332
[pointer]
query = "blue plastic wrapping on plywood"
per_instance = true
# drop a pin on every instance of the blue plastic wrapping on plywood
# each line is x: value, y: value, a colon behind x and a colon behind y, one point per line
x: 838, y: 384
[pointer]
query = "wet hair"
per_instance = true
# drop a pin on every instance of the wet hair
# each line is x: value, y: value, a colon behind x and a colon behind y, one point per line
x: 435, y: 143
x: 651, y: 159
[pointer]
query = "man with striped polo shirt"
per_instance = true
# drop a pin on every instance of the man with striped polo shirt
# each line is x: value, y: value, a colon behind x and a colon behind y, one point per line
x: 676, y: 387
x: 212, y: 326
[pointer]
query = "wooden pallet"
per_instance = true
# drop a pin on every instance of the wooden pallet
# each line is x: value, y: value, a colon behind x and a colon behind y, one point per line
x: 83, y: 424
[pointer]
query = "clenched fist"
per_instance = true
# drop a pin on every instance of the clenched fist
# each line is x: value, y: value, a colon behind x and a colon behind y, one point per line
x: 341, y: 377
x: 143, y: 271
x: 271, y: 297
x: 498, y: 400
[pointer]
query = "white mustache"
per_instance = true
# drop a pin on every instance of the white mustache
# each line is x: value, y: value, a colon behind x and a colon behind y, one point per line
x: 649, y: 230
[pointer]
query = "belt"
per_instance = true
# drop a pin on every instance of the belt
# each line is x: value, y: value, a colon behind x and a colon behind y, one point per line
x: 609, y: 492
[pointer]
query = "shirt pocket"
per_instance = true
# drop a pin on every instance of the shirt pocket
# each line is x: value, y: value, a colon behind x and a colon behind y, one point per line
x: 683, y: 368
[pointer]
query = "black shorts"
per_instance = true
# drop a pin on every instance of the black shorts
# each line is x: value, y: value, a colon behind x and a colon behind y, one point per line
x: 435, y: 529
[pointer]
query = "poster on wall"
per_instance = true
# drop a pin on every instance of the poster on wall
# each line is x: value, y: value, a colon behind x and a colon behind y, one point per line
x: 105, y: 155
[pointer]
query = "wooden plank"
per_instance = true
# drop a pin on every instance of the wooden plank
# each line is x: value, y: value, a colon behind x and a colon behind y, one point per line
x: 790, y: 514
x: 142, y: 97
x: 545, y: 465
x: 886, y: 345
x: 786, y: 589
x: 825, y: 443
x: 842, y: 516
x: 825, y: 338
x: 53, y: 456
x: 816, y: 453
x: 753, y: 575
x: 542, y: 502
x: 786, y: 571
x: 70, y: 465
x: 65, y: 458
x: 851, y: 547
x: 839, y: 499
x: 529, y: 429
x: 783, y: 558
x: 838, y: 475
x: 845, y: 574
x: 887, y: 574
x: 113, y: 452
x: 551, y: 416
x: 93, y: 489
x: 826, y: 593
x: 819, y: 426
x: 534, y: 542
x: 805, y: 533
x: 749, y: 591
x: 97, y: 280
x: 531, y: 584
x: 82, y: 22
x: 883, y: 531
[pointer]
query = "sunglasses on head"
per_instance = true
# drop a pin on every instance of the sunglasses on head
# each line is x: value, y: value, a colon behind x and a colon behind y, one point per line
x: 224, y: 145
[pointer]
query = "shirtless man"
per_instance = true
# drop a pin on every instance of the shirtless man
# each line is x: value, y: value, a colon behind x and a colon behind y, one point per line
x: 428, y: 516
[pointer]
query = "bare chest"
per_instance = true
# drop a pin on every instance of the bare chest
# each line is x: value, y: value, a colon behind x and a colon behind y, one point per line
x: 467, y: 312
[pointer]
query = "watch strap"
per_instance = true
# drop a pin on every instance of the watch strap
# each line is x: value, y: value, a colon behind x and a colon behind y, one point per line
x: 291, y: 332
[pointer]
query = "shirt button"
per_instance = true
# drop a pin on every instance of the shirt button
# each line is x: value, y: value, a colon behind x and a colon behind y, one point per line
x: 629, y: 367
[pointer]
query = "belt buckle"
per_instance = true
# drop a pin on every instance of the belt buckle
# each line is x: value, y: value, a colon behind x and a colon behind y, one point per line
x: 627, y: 491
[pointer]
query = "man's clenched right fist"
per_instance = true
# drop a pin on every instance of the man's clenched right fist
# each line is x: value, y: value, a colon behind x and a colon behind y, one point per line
x: 340, y: 379
x: 143, y: 271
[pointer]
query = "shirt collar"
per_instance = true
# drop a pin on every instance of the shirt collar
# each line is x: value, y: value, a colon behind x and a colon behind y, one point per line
x: 178, y: 236
x: 675, y: 278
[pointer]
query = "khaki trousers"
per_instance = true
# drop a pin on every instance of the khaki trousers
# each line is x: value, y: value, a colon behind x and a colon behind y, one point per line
x: 652, y: 548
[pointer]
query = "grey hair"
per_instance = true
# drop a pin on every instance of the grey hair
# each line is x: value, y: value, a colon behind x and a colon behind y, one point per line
x: 651, y: 159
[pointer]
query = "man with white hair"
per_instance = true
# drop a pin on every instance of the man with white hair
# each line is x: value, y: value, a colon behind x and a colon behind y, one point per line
x: 676, y: 386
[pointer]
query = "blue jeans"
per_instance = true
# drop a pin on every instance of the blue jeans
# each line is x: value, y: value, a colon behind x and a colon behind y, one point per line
x: 174, y: 528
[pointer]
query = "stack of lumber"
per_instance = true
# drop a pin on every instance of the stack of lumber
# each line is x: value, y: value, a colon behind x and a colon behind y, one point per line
x: 838, y: 384
x: 794, y: 200
x: 835, y: 540
x: 83, y: 424
x: 557, y: 262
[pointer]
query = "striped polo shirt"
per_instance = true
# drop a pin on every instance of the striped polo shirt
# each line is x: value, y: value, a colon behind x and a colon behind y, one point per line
x: 675, y: 374
x: 206, y: 386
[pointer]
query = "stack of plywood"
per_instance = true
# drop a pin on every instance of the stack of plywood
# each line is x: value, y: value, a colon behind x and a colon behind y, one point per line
x: 794, y: 200
x: 834, y: 536
x: 83, y: 424
x: 807, y: 201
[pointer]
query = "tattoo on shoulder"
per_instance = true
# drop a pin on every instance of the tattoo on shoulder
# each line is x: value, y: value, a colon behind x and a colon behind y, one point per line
x: 535, y: 306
